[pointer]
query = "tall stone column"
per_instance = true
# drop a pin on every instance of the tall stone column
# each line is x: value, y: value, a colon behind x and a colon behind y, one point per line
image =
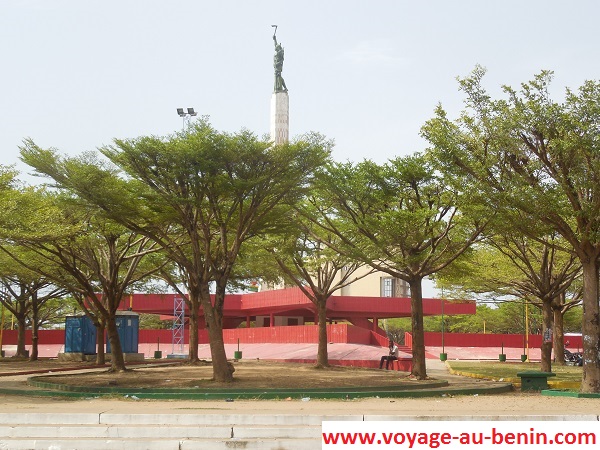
x: 280, y: 117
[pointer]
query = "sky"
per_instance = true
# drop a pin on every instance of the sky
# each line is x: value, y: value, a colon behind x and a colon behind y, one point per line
x: 366, y: 74
x: 77, y: 74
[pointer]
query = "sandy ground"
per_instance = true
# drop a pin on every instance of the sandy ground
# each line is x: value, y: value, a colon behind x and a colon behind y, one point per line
x: 512, y: 404
x: 248, y: 375
x: 516, y: 404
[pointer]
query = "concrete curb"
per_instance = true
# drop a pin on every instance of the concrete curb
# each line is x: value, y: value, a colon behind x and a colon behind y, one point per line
x: 95, y: 366
x: 41, y: 382
x: 568, y: 393
x: 433, y: 389
x: 44, y: 386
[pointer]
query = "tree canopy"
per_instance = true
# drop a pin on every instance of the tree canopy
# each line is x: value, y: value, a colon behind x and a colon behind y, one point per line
x: 541, y: 157
x: 402, y: 219
x: 199, y: 195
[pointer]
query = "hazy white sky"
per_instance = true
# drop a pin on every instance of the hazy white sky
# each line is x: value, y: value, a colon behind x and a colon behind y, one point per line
x: 76, y: 74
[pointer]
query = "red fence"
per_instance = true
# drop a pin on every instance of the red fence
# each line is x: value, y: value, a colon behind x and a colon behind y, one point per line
x: 486, y: 340
x: 340, y: 333
x: 9, y: 337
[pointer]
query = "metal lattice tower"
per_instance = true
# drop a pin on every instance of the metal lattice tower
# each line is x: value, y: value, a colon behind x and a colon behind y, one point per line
x: 178, y: 325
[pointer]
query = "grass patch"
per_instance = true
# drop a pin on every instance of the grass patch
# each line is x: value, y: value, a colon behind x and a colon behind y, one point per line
x: 508, y: 370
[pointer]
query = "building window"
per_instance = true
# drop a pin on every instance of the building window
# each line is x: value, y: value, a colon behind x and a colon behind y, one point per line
x: 394, y: 287
x: 387, y: 286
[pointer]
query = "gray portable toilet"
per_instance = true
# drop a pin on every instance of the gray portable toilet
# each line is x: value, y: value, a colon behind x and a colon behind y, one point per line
x: 128, y: 326
x: 80, y: 335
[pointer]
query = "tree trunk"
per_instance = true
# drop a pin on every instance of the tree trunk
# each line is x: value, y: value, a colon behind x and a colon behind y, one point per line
x: 21, y: 336
x: 322, y: 357
x: 117, y: 363
x: 194, y: 306
x: 222, y: 371
x: 419, y: 369
x: 100, y: 356
x: 546, y: 330
x: 193, y: 302
x: 590, y: 382
x: 559, y: 336
x: 35, y: 326
x: 33, y: 354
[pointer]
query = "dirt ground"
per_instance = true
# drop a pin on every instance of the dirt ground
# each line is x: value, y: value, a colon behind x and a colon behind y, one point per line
x: 515, y: 404
x: 248, y: 374
x: 13, y: 365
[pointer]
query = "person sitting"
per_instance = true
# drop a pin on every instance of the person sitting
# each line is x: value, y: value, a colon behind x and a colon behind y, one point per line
x: 392, y: 356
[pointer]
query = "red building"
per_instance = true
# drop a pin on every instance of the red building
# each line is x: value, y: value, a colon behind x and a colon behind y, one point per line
x: 291, y: 308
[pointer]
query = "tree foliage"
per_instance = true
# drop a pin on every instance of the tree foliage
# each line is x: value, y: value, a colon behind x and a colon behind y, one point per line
x: 76, y: 247
x: 305, y: 255
x: 541, y: 157
x: 510, y: 265
x: 199, y: 195
x: 400, y: 218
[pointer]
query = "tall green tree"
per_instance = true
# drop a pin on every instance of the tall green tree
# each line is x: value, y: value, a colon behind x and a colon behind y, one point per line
x: 511, y: 265
x: 307, y: 260
x: 402, y: 219
x: 79, y: 249
x: 541, y: 157
x: 25, y: 293
x: 200, y: 195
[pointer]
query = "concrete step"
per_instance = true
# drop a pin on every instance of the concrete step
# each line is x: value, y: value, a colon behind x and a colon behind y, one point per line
x: 158, y: 432
x: 164, y: 444
x: 161, y: 431
x: 170, y: 419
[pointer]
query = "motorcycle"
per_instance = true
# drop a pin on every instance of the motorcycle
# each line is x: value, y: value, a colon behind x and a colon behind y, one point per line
x: 573, y: 358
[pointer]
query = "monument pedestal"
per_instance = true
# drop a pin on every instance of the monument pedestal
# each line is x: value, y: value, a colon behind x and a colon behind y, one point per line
x: 280, y: 117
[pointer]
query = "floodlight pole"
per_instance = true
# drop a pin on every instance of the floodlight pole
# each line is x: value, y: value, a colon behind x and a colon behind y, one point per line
x: 1, y: 329
x: 443, y: 347
x: 4, y: 293
x: 186, y: 116
x: 526, y: 331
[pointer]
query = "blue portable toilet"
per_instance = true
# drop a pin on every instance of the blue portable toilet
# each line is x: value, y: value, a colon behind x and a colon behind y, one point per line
x: 128, y: 326
x: 80, y: 335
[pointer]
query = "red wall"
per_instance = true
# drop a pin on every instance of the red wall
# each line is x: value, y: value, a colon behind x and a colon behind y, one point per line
x: 165, y: 336
x: 378, y: 339
x: 486, y: 340
x: 9, y: 337
x: 340, y: 333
